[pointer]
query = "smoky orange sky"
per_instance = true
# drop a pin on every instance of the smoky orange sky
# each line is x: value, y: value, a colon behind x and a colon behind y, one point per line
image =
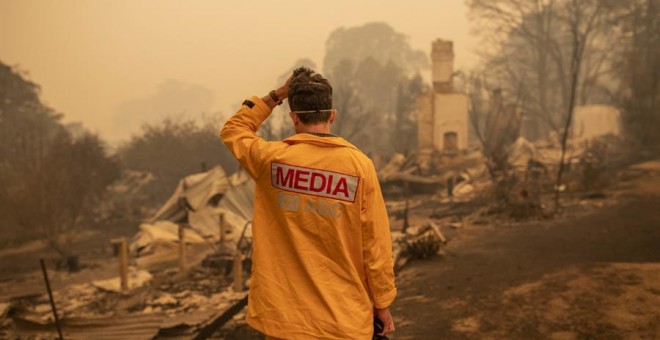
x: 115, y: 64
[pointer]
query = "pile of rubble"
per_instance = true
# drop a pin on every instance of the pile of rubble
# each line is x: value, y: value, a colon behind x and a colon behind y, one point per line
x: 462, y: 189
x: 416, y: 242
x: 167, y: 304
x: 403, y: 176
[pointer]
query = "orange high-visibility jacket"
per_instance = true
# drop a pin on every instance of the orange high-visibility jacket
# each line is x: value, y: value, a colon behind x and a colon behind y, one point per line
x: 322, y: 250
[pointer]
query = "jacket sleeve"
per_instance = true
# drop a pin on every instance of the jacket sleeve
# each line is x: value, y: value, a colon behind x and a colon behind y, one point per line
x: 377, y: 243
x: 240, y: 135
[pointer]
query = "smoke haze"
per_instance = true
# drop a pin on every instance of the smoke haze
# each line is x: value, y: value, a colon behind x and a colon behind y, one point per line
x: 114, y: 65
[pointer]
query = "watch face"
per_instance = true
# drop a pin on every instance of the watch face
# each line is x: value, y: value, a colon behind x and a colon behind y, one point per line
x: 275, y: 97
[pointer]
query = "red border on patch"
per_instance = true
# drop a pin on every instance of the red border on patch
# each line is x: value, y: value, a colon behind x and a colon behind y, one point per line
x: 357, y: 186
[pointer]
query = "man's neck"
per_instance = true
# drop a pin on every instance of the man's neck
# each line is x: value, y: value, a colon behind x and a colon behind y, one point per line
x: 317, y: 128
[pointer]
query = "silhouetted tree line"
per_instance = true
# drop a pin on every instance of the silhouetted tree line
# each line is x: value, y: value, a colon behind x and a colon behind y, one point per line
x: 51, y: 180
x: 173, y: 149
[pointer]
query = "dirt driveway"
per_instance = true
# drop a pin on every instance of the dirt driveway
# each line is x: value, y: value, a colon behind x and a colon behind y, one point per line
x: 594, y: 277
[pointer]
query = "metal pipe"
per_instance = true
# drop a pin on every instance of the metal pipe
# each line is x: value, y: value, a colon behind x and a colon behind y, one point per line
x: 52, y: 302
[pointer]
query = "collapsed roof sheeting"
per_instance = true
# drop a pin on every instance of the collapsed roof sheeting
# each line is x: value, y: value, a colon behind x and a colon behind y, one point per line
x: 136, y: 278
x: 193, y: 193
x: 194, y: 203
x: 238, y: 203
x: 158, y: 325
x: 158, y: 237
x: 521, y: 153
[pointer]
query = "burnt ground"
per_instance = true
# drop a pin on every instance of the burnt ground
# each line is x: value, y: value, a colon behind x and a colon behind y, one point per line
x: 21, y: 271
x: 592, y: 277
x: 593, y: 273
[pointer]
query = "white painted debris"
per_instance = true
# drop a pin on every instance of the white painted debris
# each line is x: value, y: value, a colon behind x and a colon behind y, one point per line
x: 436, y: 230
x: 160, y: 237
x: 456, y: 225
x: 42, y: 308
x: 136, y: 278
x: 392, y: 167
x: 4, y: 308
x: 591, y: 121
x: 165, y: 299
x: 463, y: 189
x: 195, y: 299
x: 521, y: 152
x: 647, y: 166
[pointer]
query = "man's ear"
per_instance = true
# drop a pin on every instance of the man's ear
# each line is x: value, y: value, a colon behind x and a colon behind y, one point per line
x: 333, y: 115
x: 294, y: 118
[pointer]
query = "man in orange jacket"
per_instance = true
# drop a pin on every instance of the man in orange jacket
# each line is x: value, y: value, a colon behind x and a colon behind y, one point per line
x: 322, y: 257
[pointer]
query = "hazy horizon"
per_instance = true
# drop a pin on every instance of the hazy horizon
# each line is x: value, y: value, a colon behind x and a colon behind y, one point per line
x: 114, y: 65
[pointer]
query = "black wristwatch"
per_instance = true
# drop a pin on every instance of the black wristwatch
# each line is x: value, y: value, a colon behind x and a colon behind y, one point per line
x: 275, y: 97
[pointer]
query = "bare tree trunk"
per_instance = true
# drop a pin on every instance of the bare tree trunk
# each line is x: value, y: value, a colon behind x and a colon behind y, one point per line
x: 578, y: 46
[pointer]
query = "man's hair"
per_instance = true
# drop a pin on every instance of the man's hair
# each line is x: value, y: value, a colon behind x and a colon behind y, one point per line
x: 309, y: 91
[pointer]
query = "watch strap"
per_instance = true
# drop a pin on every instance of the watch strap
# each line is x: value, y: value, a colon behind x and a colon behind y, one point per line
x: 275, y: 97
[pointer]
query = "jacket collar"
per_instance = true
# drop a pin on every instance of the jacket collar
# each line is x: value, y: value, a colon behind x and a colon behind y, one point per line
x: 317, y: 140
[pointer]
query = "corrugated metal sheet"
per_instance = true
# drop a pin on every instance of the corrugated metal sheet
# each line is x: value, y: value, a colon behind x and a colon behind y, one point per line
x: 129, y: 326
